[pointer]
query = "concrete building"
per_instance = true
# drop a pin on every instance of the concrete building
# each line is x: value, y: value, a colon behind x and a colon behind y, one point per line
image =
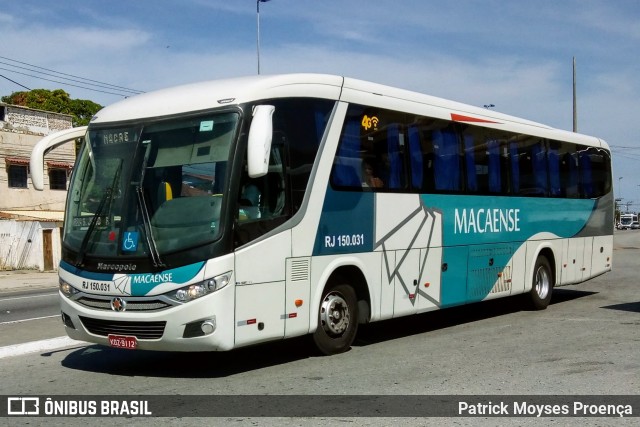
x: 30, y: 220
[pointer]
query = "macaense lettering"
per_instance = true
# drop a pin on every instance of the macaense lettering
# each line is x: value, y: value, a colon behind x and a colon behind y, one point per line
x: 491, y: 220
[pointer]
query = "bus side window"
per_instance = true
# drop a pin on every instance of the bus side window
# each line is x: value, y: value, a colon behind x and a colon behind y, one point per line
x: 395, y: 154
x: 447, y: 160
x: 347, y: 168
x: 262, y: 204
x: 586, y: 176
x: 495, y: 181
x: 553, y: 159
x: 416, y: 159
x: 470, y: 163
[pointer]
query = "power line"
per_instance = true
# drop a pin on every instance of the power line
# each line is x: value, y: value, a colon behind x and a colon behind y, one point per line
x: 13, y: 81
x: 625, y: 152
x: 622, y: 147
x: 66, y: 83
x: 65, y: 78
x: 83, y: 81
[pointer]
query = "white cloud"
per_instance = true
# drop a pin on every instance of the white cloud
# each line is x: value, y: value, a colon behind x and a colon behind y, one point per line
x: 611, y: 17
x: 5, y: 18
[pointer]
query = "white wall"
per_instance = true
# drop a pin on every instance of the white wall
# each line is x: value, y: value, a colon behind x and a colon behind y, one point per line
x: 21, y: 244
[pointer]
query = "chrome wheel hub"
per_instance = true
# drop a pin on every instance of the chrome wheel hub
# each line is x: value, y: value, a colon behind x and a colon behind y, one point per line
x: 334, y: 314
x: 543, y: 282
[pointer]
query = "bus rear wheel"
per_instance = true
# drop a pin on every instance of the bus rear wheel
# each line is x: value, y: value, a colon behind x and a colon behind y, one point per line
x: 337, y: 320
x: 542, y: 286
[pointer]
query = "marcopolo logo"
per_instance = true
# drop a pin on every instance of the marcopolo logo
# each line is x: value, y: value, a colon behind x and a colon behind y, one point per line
x: 118, y: 304
x: 117, y: 267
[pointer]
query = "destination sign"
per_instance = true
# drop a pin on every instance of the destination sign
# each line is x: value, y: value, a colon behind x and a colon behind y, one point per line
x: 114, y: 136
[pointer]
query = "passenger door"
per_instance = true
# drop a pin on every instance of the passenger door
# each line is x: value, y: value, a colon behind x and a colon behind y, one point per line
x: 260, y: 260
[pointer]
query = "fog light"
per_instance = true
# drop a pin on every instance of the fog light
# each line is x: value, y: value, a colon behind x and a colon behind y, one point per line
x: 66, y: 320
x: 208, y: 326
x: 199, y: 328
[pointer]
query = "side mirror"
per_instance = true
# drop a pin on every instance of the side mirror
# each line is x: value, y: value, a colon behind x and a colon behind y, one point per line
x: 259, y: 143
x: 46, y: 144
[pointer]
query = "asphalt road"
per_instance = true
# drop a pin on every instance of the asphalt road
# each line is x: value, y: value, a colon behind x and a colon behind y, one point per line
x: 587, y: 342
x: 21, y: 306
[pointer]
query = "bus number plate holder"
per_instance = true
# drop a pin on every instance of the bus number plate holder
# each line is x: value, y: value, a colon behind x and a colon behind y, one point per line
x: 123, y: 341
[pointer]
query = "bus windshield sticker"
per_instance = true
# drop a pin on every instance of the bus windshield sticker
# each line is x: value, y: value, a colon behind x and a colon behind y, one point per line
x: 130, y: 241
x: 370, y: 122
x: 206, y: 126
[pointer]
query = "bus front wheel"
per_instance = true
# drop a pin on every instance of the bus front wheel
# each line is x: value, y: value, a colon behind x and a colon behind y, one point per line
x: 337, y: 320
x: 542, y: 287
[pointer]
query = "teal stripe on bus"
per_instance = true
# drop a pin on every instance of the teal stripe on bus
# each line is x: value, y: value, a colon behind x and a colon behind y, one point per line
x: 469, y: 220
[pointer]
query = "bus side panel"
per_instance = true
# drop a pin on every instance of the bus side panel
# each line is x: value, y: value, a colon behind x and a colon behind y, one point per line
x: 387, y: 291
x: 260, y: 289
x: 430, y: 281
x: 410, y: 236
x: 586, y: 259
x: 601, y: 255
x: 297, y: 298
x: 572, y: 265
x: 519, y: 262
x: 490, y: 268
x: 563, y: 273
x: 405, y: 280
x: 454, y: 275
x: 259, y: 310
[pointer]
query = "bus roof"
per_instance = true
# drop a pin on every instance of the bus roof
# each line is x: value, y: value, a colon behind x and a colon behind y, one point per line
x: 216, y: 93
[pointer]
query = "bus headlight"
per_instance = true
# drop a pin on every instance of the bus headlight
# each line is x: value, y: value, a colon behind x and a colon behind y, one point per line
x: 200, y: 289
x: 66, y: 289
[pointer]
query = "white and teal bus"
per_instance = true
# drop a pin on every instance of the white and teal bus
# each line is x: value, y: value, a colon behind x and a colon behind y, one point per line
x: 217, y: 215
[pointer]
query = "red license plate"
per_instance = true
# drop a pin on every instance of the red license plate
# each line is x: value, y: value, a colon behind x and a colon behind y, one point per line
x: 123, y: 341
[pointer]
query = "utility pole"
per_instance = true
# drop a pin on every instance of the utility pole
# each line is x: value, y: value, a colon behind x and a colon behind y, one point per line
x: 258, y: 29
x: 575, y: 102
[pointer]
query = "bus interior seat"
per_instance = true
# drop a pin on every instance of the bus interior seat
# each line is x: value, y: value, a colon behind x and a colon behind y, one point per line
x: 165, y: 192
x: 250, y: 195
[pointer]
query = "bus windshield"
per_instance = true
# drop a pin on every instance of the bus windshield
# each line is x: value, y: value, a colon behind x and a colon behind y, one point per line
x: 626, y: 219
x: 146, y: 190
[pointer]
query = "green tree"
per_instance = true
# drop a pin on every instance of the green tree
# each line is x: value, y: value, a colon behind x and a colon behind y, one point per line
x: 56, y: 101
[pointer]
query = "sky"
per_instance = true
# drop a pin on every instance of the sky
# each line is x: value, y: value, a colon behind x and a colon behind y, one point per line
x: 516, y: 55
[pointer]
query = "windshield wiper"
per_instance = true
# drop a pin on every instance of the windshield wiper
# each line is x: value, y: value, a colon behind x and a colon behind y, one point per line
x: 107, y: 197
x: 146, y: 220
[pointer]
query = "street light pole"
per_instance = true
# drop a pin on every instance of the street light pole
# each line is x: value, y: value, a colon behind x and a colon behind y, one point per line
x: 620, y: 187
x: 258, y: 29
x: 575, y: 99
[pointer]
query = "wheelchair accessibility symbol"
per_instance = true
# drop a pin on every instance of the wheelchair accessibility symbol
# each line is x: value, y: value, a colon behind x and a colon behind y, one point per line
x: 130, y: 241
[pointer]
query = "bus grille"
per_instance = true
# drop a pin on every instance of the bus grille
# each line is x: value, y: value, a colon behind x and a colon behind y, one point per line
x: 140, y: 330
x: 132, y: 305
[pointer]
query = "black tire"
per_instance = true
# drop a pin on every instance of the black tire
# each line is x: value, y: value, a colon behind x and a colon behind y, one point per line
x: 337, y: 320
x: 542, y: 286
